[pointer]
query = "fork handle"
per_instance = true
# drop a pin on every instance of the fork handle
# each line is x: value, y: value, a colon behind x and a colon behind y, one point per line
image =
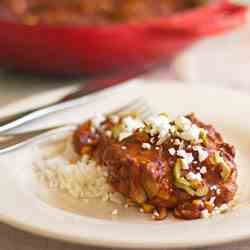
x: 73, y: 100
x: 69, y: 101
x: 16, y: 120
x: 9, y: 142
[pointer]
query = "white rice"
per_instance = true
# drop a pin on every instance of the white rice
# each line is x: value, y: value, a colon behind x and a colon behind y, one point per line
x: 82, y: 179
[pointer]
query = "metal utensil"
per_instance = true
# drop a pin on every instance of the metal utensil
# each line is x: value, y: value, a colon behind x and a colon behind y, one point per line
x: 9, y: 142
x: 72, y: 100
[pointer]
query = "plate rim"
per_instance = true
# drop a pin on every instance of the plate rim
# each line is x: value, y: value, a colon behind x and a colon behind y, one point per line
x: 117, y: 244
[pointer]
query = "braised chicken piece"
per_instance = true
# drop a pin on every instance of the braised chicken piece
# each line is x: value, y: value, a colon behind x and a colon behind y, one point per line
x: 163, y: 164
x: 94, y: 12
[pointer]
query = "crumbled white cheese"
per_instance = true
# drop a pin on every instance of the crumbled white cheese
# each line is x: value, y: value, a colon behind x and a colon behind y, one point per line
x: 202, y: 155
x: 157, y: 148
x: 205, y: 214
x: 131, y: 124
x: 123, y: 147
x: 191, y: 134
x: 218, y: 191
x: 182, y: 123
x: 114, y: 119
x: 212, y: 200
x: 162, y: 138
x: 124, y: 135
x: 189, y: 158
x: 194, y: 177
x: 223, y: 208
x: 97, y: 121
x: 89, y: 140
x: 203, y: 170
x: 146, y: 146
x: 186, y: 156
x: 108, y: 133
x: 159, y: 124
x: 156, y: 213
x: 172, y: 151
x: 177, y: 142
x: 181, y: 153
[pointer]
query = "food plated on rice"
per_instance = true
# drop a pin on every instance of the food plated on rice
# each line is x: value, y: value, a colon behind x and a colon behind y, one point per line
x: 160, y: 165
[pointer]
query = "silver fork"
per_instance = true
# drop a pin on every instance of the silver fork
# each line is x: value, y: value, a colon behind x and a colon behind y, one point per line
x: 10, y: 142
x: 82, y: 94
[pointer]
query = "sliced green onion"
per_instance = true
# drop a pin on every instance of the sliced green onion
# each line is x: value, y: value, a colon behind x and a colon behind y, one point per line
x: 116, y: 130
x: 182, y: 183
x: 203, y: 136
x: 216, y: 159
x: 226, y: 172
x: 164, y: 114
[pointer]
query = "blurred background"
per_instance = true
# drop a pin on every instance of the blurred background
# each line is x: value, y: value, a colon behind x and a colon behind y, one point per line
x: 43, y: 49
x: 224, y: 59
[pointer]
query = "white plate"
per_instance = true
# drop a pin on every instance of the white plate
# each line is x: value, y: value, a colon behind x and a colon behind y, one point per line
x: 26, y: 206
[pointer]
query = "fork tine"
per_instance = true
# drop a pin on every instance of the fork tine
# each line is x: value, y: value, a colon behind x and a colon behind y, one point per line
x: 144, y: 110
x: 134, y: 105
x: 141, y: 109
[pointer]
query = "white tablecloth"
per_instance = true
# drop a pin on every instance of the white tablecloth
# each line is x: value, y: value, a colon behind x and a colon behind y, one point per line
x: 16, y: 87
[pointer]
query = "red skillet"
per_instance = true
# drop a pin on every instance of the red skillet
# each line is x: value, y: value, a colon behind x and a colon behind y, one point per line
x: 93, y: 50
